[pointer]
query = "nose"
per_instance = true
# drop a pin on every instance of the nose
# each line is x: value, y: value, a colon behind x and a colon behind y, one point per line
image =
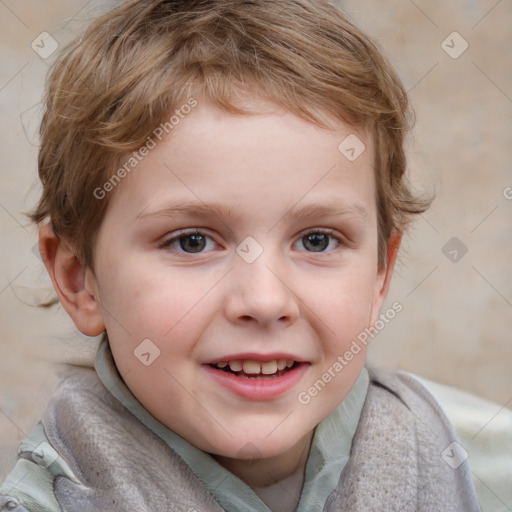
x: 261, y: 293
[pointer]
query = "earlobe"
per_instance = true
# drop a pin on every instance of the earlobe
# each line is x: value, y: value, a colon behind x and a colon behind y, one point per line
x: 69, y: 278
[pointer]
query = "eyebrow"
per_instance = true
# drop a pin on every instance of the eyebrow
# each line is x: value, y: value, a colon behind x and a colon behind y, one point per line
x: 192, y: 209
x: 338, y: 209
x: 203, y: 210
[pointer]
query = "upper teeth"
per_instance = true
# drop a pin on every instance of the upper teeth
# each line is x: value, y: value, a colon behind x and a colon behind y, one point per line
x: 254, y: 367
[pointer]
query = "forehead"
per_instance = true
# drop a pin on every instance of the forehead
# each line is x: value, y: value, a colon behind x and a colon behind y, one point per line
x: 249, y: 165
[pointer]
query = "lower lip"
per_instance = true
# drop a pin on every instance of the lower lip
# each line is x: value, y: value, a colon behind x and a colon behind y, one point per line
x: 259, y: 388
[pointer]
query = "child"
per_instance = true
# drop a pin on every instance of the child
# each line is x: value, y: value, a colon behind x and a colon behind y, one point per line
x: 224, y: 198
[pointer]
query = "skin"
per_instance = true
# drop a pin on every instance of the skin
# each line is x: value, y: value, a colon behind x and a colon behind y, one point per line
x: 201, y: 306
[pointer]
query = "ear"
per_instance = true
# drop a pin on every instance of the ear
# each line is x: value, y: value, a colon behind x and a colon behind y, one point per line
x: 384, y: 275
x: 73, y: 283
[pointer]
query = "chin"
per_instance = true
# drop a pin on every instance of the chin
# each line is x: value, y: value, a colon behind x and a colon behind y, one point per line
x: 253, y: 448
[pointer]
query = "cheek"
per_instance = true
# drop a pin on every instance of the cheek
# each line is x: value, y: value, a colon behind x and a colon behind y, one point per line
x: 347, y: 298
x: 345, y: 308
x: 136, y: 294
x: 145, y: 303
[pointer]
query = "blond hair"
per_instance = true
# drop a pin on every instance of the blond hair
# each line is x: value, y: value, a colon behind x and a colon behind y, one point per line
x: 139, y: 62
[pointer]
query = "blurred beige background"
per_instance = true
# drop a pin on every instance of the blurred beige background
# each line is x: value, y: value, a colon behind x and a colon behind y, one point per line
x: 456, y: 322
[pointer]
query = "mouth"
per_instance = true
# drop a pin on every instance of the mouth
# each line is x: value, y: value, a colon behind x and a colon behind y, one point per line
x: 258, y: 377
x: 253, y: 369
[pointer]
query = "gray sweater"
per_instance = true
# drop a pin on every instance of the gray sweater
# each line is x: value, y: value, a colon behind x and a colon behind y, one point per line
x: 404, y: 457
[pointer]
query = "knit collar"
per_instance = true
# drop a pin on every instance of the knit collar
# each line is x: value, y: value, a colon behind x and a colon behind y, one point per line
x: 330, y: 447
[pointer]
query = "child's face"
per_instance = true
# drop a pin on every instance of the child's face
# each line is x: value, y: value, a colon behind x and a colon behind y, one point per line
x: 206, y: 301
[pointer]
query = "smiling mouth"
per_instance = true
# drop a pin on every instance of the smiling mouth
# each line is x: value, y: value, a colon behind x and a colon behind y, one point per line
x: 251, y: 369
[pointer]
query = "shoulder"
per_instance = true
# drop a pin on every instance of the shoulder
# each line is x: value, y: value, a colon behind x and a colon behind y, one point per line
x: 29, y: 486
x: 404, y: 452
x: 484, y: 430
x: 417, y: 405
x: 405, y: 387
x: 104, y: 444
x: 411, y: 400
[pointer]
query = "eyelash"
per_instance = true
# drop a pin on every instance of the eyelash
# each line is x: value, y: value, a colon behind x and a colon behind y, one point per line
x: 312, y: 231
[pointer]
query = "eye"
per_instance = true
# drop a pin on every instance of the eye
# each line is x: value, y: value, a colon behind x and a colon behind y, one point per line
x: 189, y: 243
x: 318, y: 240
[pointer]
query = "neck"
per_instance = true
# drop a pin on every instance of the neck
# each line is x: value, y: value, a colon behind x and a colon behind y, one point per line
x: 277, y: 480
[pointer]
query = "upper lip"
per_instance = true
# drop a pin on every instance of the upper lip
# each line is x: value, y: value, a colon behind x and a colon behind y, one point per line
x: 253, y: 356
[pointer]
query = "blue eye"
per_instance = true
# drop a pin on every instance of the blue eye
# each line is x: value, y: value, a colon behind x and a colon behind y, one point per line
x: 317, y: 240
